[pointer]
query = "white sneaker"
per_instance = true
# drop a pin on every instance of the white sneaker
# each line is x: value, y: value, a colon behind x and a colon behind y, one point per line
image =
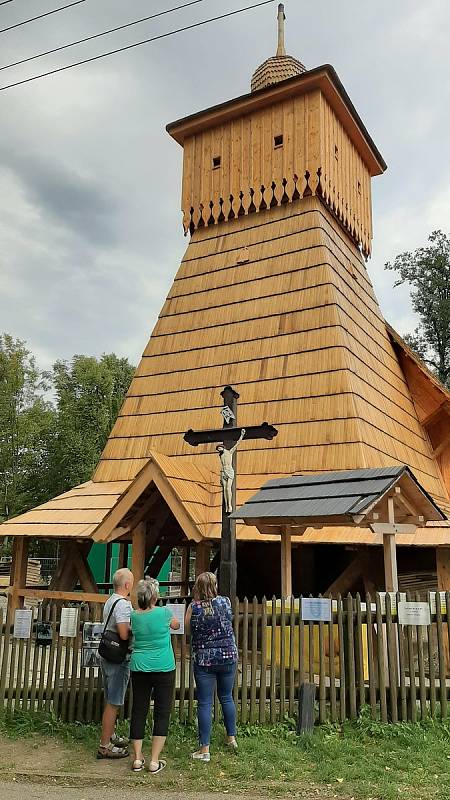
x: 201, y: 756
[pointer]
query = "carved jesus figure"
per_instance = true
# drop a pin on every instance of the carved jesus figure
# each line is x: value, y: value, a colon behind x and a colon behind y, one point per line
x: 227, y: 472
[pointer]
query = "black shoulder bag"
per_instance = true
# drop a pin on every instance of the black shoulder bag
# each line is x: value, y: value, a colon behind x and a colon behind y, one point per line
x: 112, y: 648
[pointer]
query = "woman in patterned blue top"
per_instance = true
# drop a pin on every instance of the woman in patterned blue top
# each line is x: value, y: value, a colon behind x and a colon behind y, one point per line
x: 215, y: 655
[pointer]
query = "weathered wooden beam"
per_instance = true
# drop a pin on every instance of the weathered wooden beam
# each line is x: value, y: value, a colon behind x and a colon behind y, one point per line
x: 390, y: 552
x: 158, y: 560
x: 185, y: 563
x: 443, y: 582
x: 18, y: 573
x: 85, y: 575
x: 138, y: 554
x: 444, y: 407
x: 79, y: 597
x: 202, y: 557
x: 346, y: 580
x: 286, y: 563
x: 442, y: 446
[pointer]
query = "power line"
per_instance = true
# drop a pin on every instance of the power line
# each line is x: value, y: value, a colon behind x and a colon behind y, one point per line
x: 47, y: 14
x: 136, y: 44
x: 102, y: 33
x: 4, y: 2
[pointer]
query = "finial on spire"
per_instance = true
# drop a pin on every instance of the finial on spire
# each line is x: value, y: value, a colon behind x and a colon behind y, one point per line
x: 281, y: 50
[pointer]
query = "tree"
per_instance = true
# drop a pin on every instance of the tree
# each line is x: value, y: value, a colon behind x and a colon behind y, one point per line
x: 427, y: 270
x: 89, y: 394
x: 26, y: 424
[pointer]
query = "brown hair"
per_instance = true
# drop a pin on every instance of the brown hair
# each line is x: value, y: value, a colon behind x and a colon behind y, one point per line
x: 205, y: 587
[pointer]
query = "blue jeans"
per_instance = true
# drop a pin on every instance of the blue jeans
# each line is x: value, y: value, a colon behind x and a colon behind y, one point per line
x: 206, y: 679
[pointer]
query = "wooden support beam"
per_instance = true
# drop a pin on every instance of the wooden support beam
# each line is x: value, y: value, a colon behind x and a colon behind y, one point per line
x: 202, y: 558
x: 185, y: 559
x: 442, y: 446
x: 346, y: 580
x: 390, y: 553
x: 46, y: 594
x: 85, y: 576
x: 123, y: 555
x: 18, y: 573
x: 443, y: 582
x: 138, y: 555
x: 158, y: 559
x: 286, y: 563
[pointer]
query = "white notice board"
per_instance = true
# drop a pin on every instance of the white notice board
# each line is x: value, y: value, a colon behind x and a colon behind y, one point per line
x: 23, y: 619
x: 411, y: 613
x: 69, y: 622
x: 178, y: 611
x: 316, y: 609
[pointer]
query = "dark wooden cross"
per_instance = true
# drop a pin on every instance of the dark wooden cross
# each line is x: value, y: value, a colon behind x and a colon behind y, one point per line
x: 227, y: 436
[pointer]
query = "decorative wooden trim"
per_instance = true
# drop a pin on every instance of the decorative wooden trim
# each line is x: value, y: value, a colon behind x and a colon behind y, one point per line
x: 288, y: 191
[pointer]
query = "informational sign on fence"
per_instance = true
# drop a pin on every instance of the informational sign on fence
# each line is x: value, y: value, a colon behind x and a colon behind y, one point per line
x: 442, y: 602
x: 316, y: 609
x: 178, y: 611
x: 69, y: 622
x: 393, y: 598
x: 92, y: 633
x: 23, y: 619
x: 412, y: 613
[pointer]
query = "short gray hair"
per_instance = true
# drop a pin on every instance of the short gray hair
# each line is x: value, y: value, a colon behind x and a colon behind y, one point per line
x: 120, y: 577
x: 147, y: 592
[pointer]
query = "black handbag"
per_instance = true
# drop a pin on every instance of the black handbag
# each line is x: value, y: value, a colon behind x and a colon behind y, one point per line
x: 112, y: 648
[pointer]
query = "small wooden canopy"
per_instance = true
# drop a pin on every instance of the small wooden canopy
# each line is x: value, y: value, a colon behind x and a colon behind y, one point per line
x: 389, y: 500
x: 346, y: 497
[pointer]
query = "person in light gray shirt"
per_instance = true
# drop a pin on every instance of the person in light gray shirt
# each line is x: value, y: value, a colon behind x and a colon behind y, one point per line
x: 116, y: 676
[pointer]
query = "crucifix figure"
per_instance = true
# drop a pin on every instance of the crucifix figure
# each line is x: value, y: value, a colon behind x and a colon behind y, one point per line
x: 227, y: 472
x: 228, y: 438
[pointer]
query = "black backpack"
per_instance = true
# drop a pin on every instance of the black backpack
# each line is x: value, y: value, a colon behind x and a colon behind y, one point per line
x: 112, y: 648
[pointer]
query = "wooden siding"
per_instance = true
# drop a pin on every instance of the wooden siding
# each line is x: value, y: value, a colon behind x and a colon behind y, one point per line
x: 298, y: 331
x: 313, y: 139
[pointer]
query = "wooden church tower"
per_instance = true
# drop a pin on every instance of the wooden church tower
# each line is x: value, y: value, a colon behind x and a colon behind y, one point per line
x: 272, y: 297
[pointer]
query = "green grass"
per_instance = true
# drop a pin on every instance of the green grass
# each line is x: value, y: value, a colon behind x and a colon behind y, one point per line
x: 365, y: 759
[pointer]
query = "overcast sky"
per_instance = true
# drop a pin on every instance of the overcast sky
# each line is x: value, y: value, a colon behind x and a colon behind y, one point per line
x: 90, y: 226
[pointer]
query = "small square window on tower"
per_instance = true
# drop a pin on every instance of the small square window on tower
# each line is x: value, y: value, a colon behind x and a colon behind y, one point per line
x: 216, y: 162
x: 336, y: 152
x: 359, y: 187
x: 278, y: 140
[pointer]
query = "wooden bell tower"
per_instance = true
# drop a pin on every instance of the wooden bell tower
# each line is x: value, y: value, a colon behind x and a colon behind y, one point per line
x: 296, y: 134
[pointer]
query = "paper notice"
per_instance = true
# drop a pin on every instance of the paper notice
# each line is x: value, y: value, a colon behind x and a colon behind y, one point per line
x: 316, y: 609
x: 23, y: 619
x: 178, y: 611
x: 410, y: 613
x: 69, y: 622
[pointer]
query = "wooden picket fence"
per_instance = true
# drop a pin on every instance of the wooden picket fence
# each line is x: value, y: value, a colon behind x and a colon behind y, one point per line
x: 362, y: 658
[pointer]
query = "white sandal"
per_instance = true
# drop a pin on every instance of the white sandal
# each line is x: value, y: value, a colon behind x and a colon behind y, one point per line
x: 138, y: 765
x: 160, y: 767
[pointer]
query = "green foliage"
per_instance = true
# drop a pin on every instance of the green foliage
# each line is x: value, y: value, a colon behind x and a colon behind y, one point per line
x: 89, y: 394
x: 47, y: 447
x: 427, y: 270
x: 26, y: 425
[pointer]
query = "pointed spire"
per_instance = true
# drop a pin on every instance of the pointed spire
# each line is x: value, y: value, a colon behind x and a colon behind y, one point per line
x: 281, y: 51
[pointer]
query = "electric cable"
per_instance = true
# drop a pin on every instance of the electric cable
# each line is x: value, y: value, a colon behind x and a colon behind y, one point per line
x: 40, y: 16
x: 135, y: 44
x: 102, y: 33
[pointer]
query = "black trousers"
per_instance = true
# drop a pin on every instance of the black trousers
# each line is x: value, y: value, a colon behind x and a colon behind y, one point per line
x: 161, y: 684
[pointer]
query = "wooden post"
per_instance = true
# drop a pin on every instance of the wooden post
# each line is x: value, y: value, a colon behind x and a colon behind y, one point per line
x: 390, y: 553
x: 185, y: 559
x: 18, y: 573
x: 443, y: 582
x: 286, y: 563
x: 138, y: 554
x: 202, y: 553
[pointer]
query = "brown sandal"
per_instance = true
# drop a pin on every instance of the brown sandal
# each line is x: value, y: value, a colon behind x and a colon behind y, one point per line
x: 112, y: 752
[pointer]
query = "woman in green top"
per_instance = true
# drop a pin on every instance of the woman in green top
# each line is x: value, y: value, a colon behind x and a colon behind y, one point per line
x: 152, y: 670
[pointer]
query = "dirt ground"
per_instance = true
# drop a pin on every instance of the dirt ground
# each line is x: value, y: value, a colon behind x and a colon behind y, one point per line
x: 47, y: 769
